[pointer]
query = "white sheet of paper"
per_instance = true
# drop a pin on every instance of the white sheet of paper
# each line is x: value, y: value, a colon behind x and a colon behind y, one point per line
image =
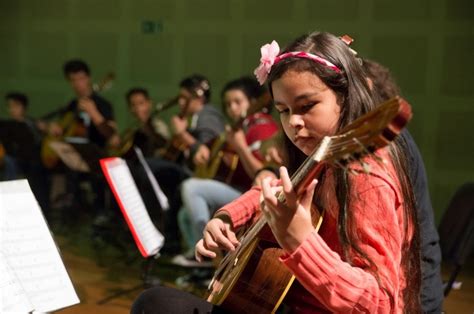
x: 13, y: 296
x: 150, y: 238
x: 154, y: 183
x: 29, y: 248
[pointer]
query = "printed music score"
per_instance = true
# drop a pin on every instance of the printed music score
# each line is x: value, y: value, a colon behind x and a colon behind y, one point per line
x: 14, y: 297
x: 33, y: 275
x: 147, y: 237
x: 70, y: 156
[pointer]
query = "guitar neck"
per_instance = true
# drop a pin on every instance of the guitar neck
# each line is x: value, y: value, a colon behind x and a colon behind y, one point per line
x: 309, y: 169
x: 302, y: 177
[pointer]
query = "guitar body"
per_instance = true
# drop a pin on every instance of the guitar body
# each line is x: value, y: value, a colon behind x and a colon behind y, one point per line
x: 208, y: 170
x: 254, y: 281
x: 126, y: 145
x: 222, y: 162
x: 48, y: 157
x: 71, y: 127
x: 174, y: 150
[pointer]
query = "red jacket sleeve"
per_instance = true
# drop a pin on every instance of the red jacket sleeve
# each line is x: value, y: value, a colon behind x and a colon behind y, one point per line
x: 244, y: 208
x: 343, y: 287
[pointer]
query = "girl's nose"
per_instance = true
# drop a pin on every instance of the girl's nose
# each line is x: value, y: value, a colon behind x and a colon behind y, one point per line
x: 296, y: 121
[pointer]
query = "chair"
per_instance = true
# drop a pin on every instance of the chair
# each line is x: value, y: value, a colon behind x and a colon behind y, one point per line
x: 456, y: 231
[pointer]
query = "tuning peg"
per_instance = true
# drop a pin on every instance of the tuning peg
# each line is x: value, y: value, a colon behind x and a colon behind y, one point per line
x: 370, y: 150
x: 367, y: 150
x: 352, y: 171
x: 381, y: 161
x: 365, y: 167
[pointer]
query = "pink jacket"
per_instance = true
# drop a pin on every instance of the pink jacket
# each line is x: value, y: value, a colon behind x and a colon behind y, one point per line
x: 325, y: 281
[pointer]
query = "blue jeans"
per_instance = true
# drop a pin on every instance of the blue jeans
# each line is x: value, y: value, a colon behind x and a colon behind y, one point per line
x: 201, y: 198
x: 187, y: 230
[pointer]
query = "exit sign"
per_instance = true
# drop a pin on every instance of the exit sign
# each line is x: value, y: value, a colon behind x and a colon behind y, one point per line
x: 152, y: 27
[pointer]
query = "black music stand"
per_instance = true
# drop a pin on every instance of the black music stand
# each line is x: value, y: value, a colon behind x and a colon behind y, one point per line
x: 147, y: 280
x: 17, y: 139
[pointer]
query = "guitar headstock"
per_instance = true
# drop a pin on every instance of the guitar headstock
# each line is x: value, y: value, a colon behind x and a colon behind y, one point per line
x: 360, y: 138
x: 368, y: 133
x: 105, y: 83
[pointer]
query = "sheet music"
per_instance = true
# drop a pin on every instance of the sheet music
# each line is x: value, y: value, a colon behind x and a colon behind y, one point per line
x: 154, y: 183
x: 29, y: 248
x: 148, y: 238
x: 69, y: 156
x: 13, y: 296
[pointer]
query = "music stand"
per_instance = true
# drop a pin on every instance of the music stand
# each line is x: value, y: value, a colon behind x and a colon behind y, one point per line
x: 79, y: 154
x: 148, y: 239
x: 17, y: 139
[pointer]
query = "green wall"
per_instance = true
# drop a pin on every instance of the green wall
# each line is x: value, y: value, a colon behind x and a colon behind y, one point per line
x: 428, y: 44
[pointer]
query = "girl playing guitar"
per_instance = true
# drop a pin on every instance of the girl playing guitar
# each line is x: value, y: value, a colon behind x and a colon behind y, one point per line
x: 365, y: 257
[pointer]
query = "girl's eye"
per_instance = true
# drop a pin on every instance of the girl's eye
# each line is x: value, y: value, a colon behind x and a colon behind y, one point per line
x: 308, y: 107
x: 283, y: 111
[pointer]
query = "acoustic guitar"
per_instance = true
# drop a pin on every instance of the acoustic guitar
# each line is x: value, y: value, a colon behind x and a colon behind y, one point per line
x: 251, y: 279
x: 71, y: 126
x: 223, y: 160
x: 129, y: 137
x: 176, y: 146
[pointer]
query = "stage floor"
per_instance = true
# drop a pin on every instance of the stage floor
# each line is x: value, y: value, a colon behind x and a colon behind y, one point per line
x: 93, y: 282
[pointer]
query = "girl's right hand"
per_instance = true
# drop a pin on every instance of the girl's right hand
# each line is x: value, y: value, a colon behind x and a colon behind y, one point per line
x: 217, y: 235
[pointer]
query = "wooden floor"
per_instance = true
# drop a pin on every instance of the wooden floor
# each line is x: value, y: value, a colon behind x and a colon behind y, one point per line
x: 93, y: 283
x: 462, y: 300
x: 117, y: 273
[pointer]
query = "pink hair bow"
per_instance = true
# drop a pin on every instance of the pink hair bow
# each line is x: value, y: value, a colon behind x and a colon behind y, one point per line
x: 269, y: 53
x: 270, y: 57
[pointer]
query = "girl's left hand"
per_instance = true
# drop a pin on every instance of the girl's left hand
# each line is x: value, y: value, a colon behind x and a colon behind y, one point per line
x: 290, y: 221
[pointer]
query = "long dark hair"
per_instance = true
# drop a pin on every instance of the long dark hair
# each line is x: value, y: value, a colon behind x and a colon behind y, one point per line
x: 238, y: 84
x: 251, y: 89
x: 355, y: 99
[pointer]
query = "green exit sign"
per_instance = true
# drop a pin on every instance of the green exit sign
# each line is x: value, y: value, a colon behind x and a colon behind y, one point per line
x: 152, y: 27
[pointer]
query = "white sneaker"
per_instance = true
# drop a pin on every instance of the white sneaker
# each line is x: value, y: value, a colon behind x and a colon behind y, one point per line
x: 198, y: 277
x: 184, y: 261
